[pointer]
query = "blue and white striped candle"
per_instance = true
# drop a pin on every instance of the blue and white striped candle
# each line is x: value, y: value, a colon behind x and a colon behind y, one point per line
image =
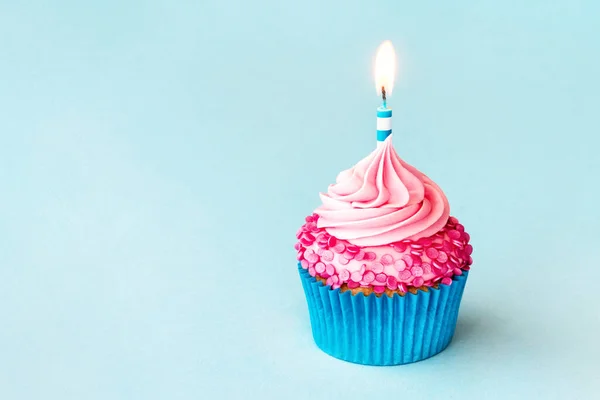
x: 385, y: 71
x: 384, y: 124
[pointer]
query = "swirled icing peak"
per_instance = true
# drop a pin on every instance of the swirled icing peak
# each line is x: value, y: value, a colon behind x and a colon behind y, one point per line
x: 382, y: 200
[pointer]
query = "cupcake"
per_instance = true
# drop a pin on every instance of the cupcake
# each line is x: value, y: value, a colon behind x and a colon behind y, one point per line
x: 383, y: 265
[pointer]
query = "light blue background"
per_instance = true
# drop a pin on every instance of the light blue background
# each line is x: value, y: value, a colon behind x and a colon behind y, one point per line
x: 158, y: 157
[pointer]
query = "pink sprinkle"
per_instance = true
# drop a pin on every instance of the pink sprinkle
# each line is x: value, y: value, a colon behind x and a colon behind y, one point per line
x: 442, y: 257
x: 344, y: 275
x: 309, y: 237
x: 379, y: 289
x: 311, y: 271
x: 438, y: 245
x: 387, y: 259
x: 453, y: 221
x: 305, y: 241
x: 360, y: 255
x: 416, y: 260
x: 353, y: 285
x: 352, y: 249
x: 399, y: 247
x: 426, y: 268
x: 329, y: 281
x: 320, y: 252
x: 470, y: 260
x: 446, y: 281
x: 432, y: 253
x: 369, y: 277
x: 418, y: 282
x: 339, y: 248
x: 304, y: 264
x: 377, y: 267
x: 312, y: 258
x: 467, y: 268
x: 356, y: 276
x: 447, y: 246
x: 457, y: 271
x: 381, y: 278
x: 460, y: 228
x: 451, y: 265
x: 454, y: 259
x: 343, y: 260
x: 299, y: 255
x: 416, y: 246
x: 466, y: 236
x: 310, y: 218
x: 416, y: 252
x: 408, y: 260
x: 405, y: 275
x: 468, y: 249
x: 391, y: 282
x: 458, y: 243
x: 322, y: 238
x: 320, y: 267
x: 402, y: 287
x: 297, y: 246
x: 335, y: 286
x: 312, y: 227
x: 327, y: 255
x: 425, y: 241
x: 370, y: 256
x: 332, y: 241
x: 348, y: 255
x: 299, y: 233
x: 400, y: 265
x: 454, y: 234
x: 416, y: 271
x: 363, y: 268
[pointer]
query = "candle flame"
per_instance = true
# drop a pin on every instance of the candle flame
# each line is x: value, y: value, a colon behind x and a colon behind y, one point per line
x: 385, y: 68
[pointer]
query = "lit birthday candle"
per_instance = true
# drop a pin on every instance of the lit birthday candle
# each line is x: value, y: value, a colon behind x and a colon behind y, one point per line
x: 385, y: 71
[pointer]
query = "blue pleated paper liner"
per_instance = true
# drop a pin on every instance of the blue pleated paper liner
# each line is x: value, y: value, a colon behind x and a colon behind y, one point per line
x: 382, y: 330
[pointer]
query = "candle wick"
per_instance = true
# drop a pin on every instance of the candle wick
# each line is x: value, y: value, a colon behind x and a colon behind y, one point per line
x: 383, y: 96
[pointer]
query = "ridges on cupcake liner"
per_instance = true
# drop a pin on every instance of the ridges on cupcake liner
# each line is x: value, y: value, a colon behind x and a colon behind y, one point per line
x: 382, y: 330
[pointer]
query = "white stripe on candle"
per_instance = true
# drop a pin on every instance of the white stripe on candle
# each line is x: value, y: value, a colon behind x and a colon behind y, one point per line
x: 384, y: 124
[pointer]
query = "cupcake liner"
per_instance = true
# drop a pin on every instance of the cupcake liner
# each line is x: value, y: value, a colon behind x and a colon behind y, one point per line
x: 382, y: 330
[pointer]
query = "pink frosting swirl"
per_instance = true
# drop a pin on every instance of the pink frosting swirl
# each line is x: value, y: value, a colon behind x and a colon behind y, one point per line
x: 382, y: 200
